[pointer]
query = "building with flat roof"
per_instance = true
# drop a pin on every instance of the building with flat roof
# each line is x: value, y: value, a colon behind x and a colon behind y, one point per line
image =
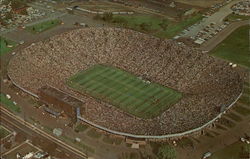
x: 59, y: 100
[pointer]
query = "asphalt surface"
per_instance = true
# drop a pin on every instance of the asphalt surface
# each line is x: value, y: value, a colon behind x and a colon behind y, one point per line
x: 216, y: 18
x: 222, y: 35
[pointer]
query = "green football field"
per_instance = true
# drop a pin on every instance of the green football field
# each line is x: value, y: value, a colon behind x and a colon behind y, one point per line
x: 124, y: 90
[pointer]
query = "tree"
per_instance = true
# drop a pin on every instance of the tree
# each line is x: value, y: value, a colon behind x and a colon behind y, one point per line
x: 145, y: 26
x: 107, y: 17
x: 164, y: 24
x: 8, y: 15
x: 24, y: 12
x: 167, y: 152
x: 120, y: 20
x: 6, y: 42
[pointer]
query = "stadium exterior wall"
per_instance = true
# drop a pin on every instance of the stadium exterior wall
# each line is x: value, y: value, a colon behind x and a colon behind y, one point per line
x: 26, y: 91
x: 79, y: 117
x: 160, y: 136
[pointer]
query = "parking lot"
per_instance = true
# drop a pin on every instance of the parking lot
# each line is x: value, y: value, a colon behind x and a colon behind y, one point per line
x: 210, y: 25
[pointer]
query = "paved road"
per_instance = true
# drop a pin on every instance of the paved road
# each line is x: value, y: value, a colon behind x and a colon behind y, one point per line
x: 217, y: 18
x: 213, y: 42
x: 11, y: 119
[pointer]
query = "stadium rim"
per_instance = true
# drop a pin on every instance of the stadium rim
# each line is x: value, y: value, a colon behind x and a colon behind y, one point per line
x: 142, y: 136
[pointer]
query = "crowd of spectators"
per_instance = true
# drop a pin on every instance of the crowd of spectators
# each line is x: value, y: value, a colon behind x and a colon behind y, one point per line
x: 207, y: 83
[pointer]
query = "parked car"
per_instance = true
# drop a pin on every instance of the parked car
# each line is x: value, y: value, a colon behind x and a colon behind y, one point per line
x: 207, y: 155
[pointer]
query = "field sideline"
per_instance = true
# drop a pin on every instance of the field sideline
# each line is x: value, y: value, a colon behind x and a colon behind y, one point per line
x: 119, y: 88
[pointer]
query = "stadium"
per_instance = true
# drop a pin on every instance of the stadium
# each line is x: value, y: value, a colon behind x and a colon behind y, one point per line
x: 128, y: 81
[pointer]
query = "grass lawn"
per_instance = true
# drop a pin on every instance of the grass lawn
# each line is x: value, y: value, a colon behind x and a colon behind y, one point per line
x: 129, y: 155
x: 94, y: 134
x: 220, y: 127
x: 177, y: 27
x: 37, y: 28
x: 242, y: 110
x: 81, y: 128
x: 246, y: 90
x: 3, y: 46
x: 208, y: 134
x: 226, y: 123
x: 234, y: 117
x: 230, y: 152
x: 84, y: 147
x: 3, y: 132
x: 185, y: 142
x: 247, y: 84
x: 71, y: 141
x: 153, y: 24
x: 235, y: 47
x: 110, y: 140
x: 124, y: 90
x: 134, y: 21
x: 245, y: 99
x: 215, y: 133
x: 9, y: 104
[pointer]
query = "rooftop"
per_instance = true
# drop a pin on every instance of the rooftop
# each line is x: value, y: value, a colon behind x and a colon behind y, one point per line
x: 60, y: 95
